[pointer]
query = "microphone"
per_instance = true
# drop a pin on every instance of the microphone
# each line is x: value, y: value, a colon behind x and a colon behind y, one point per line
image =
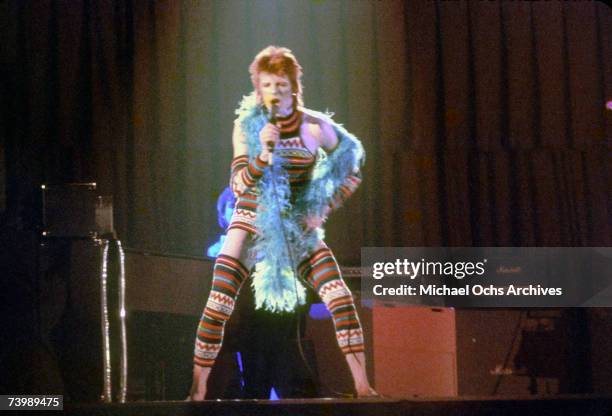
x: 274, y: 110
x: 273, y: 119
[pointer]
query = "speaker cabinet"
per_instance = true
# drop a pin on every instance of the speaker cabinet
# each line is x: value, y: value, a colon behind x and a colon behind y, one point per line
x: 414, y: 351
x: 521, y: 352
x: 448, y: 352
x: 485, y: 351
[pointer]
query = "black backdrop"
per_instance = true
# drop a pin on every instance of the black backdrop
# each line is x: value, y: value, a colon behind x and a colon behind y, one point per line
x: 484, y: 123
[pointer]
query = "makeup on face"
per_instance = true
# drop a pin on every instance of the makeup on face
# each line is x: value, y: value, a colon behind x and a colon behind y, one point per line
x: 276, y: 88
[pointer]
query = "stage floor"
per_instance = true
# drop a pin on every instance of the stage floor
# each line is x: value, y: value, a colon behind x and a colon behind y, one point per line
x: 540, y: 406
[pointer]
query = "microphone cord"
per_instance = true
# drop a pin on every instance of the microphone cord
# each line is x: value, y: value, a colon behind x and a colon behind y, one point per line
x: 295, y: 279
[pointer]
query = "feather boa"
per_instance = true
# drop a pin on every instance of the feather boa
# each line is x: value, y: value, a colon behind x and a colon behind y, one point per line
x: 273, y: 280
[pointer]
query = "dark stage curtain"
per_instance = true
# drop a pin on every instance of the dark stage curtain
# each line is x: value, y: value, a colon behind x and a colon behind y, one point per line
x: 484, y: 122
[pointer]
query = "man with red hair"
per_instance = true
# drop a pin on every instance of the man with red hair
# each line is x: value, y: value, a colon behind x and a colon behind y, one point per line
x: 292, y: 167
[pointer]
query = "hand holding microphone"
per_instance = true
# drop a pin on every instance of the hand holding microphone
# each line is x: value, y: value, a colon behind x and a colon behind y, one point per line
x: 270, y: 134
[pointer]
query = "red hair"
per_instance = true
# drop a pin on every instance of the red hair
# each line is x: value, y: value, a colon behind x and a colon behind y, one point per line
x: 278, y: 61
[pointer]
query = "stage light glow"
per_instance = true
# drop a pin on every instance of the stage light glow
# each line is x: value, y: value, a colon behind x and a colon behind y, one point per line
x: 273, y: 394
x: 239, y: 359
x: 318, y: 311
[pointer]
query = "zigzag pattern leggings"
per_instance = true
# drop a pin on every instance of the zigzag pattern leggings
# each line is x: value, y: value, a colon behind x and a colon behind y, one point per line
x: 320, y: 270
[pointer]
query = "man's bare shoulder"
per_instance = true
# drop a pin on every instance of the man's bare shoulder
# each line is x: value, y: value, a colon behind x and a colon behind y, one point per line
x: 316, y: 117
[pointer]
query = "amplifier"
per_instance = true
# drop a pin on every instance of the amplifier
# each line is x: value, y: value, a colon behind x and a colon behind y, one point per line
x: 75, y: 210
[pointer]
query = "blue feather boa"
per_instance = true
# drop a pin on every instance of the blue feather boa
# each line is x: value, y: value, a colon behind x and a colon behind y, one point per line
x: 273, y: 281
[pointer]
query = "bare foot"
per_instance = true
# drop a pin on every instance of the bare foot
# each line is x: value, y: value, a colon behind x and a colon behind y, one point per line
x: 368, y: 391
x: 198, y: 385
x: 357, y: 365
